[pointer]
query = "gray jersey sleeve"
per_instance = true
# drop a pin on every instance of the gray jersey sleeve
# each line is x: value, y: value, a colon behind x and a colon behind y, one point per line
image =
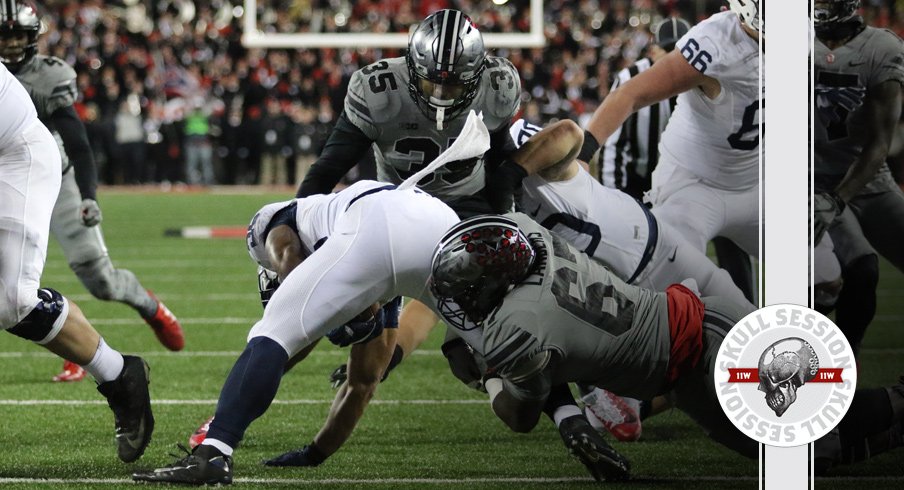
x: 356, y: 107
x: 888, y: 58
x: 500, y: 92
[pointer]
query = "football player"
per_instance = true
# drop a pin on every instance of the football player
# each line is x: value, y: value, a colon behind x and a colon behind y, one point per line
x: 348, y: 265
x: 408, y: 110
x: 30, y: 170
x: 76, y: 215
x: 616, y: 229
x: 706, y: 183
x: 859, y: 73
x: 559, y: 316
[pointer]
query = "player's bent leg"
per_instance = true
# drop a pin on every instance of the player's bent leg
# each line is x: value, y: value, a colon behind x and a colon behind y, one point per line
x: 695, y: 392
x: 856, y: 303
x: 738, y: 265
x: 107, y: 283
x: 881, y: 216
x: 61, y: 327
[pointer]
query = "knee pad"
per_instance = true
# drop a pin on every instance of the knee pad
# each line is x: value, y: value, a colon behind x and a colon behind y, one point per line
x: 44, y: 322
x: 97, y: 277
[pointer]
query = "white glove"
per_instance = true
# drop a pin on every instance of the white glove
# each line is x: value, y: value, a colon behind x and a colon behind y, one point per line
x: 89, y: 213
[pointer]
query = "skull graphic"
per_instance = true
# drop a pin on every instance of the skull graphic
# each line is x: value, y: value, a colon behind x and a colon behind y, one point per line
x: 784, y: 367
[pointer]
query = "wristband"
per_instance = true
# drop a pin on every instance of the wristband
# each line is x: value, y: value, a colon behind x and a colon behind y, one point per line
x: 589, y: 148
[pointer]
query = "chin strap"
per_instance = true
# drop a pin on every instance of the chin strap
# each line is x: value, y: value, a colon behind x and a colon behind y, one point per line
x: 440, y: 115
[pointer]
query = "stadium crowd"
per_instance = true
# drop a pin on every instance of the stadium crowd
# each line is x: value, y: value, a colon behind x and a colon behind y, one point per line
x: 169, y: 94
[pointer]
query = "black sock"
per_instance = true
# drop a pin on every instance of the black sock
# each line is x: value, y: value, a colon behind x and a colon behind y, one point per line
x: 856, y: 305
x: 559, y: 396
x: 249, y: 389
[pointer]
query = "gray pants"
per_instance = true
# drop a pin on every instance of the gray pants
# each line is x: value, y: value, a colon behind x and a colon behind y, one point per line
x: 695, y: 392
x: 86, y: 253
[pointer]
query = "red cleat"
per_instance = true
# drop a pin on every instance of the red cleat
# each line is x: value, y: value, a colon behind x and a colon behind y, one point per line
x: 166, y: 327
x: 200, y: 434
x: 618, y: 415
x: 71, y: 372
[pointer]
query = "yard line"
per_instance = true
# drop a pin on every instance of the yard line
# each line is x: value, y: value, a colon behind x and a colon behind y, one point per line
x: 251, y: 296
x: 30, y: 403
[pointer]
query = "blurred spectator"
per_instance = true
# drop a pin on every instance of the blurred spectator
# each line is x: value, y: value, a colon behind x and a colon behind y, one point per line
x: 275, y: 148
x: 308, y: 135
x: 198, y: 147
x: 130, y: 141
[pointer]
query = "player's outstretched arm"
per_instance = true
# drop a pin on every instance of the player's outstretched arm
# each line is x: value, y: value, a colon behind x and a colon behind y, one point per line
x: 668, y: 77
x: 552, y: 151
x: 883, y: 109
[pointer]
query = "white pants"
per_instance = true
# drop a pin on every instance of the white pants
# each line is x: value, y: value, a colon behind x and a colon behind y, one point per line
x: 701, y: 212
x: 381, y: 247
x: 30, y: 173
x: 675, y: 260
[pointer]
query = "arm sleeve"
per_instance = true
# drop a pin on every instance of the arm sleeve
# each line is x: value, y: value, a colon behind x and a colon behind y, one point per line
x: 75, y: 142
x: 501, y: 147
x: 345, y: 147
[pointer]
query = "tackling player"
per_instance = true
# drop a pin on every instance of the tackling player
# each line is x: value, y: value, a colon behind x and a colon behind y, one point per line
x: 859, y: 71
x: 30, y: 172
x: 76, y: 216
x: 706, y: 183
x: 550, y: 314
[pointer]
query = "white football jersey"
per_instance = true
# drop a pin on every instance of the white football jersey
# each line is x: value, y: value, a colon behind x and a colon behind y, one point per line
x: 18, y: 110
x: 605, y: 223
x: 718, y: 139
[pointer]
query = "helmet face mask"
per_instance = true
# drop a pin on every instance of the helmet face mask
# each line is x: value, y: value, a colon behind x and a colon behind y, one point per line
x: 476, y: 264
x: 446, y: 59
x: 19, y: 30
x: 832, y: 15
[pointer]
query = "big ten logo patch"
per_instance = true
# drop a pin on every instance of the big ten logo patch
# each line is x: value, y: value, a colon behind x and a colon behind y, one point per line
x: 785, y: 375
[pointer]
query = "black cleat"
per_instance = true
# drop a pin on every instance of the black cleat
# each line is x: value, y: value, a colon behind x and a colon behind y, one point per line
x: 588, y: 446
x: 338, y: 376
x: 130, y: 401
x: 205, y: 466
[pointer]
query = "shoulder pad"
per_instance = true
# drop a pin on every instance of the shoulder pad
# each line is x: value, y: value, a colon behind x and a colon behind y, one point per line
x: 375, y: 92
x: 501, y: 92
x: 53, y: 70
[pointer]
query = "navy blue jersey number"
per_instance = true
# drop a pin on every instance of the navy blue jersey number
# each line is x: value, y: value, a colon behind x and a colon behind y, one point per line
x: 698, y: 58
x: 748, y: 124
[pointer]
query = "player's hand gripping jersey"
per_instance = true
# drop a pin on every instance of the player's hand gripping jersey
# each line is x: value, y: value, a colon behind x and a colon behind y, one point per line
x: 726, y: 129
x: 379, y: 104
x: 843, y: 78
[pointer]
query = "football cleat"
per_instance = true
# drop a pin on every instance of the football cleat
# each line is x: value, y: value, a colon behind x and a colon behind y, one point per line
x: 130, y: 401
x: 166, y: 327
x: 588, y: 446
x: 620, y: 416
x: 71, y: 372
x: 200, y: 434
x: 206, y: 465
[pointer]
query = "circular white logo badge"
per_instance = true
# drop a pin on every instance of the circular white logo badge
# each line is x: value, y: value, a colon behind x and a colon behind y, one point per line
x: 785, y: 375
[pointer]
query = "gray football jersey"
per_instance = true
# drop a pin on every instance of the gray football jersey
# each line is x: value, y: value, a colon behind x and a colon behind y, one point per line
x: 843, y: 80
x: 405, y: 140
x: 51, y: 84
x: 602, y: 330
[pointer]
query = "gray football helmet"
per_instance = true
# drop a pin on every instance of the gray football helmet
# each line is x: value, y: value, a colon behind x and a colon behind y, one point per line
x: 18, y: 17
x: 446, y: 59
x: 832, y: 15
x: 751, y: 13
x: 475, y: 264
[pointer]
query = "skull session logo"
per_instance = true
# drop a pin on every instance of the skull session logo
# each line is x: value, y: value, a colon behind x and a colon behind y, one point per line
x: 785, y: 375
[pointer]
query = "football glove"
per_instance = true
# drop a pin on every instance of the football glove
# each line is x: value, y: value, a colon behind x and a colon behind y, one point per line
x: 826, y: 207
x: 267, y: 282
x: 359, y: 331
x: 463, y: 361
x: 306, y: 456
x: 89, y: 213
x: 338, y: 376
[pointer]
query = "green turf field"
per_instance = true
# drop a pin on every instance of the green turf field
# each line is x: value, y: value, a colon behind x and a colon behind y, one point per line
x: 424, y: 429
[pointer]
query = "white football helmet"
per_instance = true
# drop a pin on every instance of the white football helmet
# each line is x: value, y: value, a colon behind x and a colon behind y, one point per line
x: 256, y: 238
x: 751, y: 13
